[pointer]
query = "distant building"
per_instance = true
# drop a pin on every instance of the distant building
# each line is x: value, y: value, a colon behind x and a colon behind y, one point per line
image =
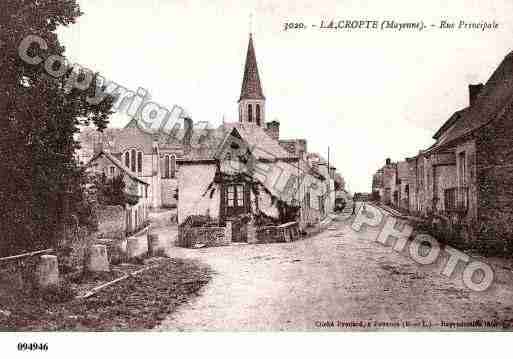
x: 465, y: 179
x: 179, y: 169
x: 136, y: 214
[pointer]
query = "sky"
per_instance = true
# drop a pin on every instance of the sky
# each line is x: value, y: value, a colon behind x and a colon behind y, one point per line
x: 367, y: 95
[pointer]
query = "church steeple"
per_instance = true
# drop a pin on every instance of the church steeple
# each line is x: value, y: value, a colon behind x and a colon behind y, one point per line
x: 251, y: 86
x: 252, y: 99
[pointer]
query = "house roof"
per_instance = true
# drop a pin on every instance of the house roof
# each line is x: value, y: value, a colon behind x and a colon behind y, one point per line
x: 251, y: 86
x: 451, y: 121
x: 118, y: 164
x: 489, y: 104
x: 261, y: 145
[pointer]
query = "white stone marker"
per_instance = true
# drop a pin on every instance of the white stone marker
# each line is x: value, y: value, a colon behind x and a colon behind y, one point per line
x: 228, y: 232
x: 134, y: 248
x: 155, y: 244
x: 97, y: 260
x: 47, y: 271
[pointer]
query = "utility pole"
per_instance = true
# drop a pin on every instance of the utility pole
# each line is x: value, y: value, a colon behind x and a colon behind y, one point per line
x: 329, y: 180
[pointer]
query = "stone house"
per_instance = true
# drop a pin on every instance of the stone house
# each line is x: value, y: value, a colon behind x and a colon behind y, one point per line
x: 474, y: 146
x: 246, y: 171
x: 403, y: 185
x: 136, y: 214
x: 159, y: 159
x: 377, y: 185
x: 239, y: 177
x: 145, y: 155
x: 389, y: 192
x: 465, y: 178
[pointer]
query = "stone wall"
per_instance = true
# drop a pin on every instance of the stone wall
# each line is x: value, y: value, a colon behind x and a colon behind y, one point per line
x: 136, y: 217
x: 494, y: 175
x: 202, y: 237
x: 276, y: 234
x: 269, y: 234
x: 445, y: 178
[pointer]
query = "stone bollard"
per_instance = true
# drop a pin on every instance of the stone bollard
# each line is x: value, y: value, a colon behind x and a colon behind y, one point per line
x: 135, y: 247
x: 252, y: 233
x: 228, y: 232
x: 47, y: 271
x: 122, y: 246
x: 97, y: 260
x: 156, y: 246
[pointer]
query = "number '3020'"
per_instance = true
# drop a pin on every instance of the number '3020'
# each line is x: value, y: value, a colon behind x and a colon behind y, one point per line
x: 293, y: 26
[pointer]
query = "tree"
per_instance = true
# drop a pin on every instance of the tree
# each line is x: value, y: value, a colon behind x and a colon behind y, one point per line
x: 111, y: 191
x: 41, y: 186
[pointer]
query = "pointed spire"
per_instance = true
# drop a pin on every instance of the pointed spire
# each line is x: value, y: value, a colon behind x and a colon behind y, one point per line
x: 251, y: 86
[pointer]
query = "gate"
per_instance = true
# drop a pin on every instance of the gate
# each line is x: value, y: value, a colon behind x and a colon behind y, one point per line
x: 239, y: 231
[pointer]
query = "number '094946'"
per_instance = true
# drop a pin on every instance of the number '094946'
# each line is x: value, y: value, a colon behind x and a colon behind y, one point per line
x: 33, y: 347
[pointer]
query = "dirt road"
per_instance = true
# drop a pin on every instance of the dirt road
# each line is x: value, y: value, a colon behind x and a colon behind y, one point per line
x: 333, y: 280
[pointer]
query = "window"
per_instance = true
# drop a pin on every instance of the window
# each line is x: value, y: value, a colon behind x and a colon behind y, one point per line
x: 258, y: 114
x: 321, y: 204
x: 462, y: 163
x: 307, y: 200
x: 132, y: 160
x: 112, y: 170
x: 127, y: 159
x: 450, y: 199
x: 235, y: 195
x: 250, y: 113
x: 169, y: 166
x: 139, y: 162
x: 165, y: 173
x: 172, y: 166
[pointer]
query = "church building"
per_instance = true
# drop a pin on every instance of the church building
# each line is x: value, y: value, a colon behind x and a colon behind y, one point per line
x: 278, y: 181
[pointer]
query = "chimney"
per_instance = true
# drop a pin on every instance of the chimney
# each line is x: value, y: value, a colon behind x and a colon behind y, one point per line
x: 187, y: 138
x: 388, y: 161
x: 98, y: 144
x: 273, y: 129
x: 473, y: 91
x: 302, y: 146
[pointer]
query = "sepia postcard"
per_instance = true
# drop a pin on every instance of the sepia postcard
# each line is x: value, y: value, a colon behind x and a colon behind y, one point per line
x: 260, y: 166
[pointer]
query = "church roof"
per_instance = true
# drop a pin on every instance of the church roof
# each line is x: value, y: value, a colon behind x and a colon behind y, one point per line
x: 251, y: 86
x: 117, y: 140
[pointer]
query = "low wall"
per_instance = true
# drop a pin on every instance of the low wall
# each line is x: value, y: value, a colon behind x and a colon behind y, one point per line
x: 202, y: 237
x: 136, y: 217
x: 111, y: 222
x: 274, y: 234
x: 269, y: 234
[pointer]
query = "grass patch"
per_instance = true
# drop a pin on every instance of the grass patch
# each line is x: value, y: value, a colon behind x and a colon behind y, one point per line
x: 137, y: 303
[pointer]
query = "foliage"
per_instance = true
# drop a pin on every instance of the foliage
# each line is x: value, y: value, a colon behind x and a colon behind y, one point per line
x: 41, y: 186
x: 110, y: 191
x: 63, y: 292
